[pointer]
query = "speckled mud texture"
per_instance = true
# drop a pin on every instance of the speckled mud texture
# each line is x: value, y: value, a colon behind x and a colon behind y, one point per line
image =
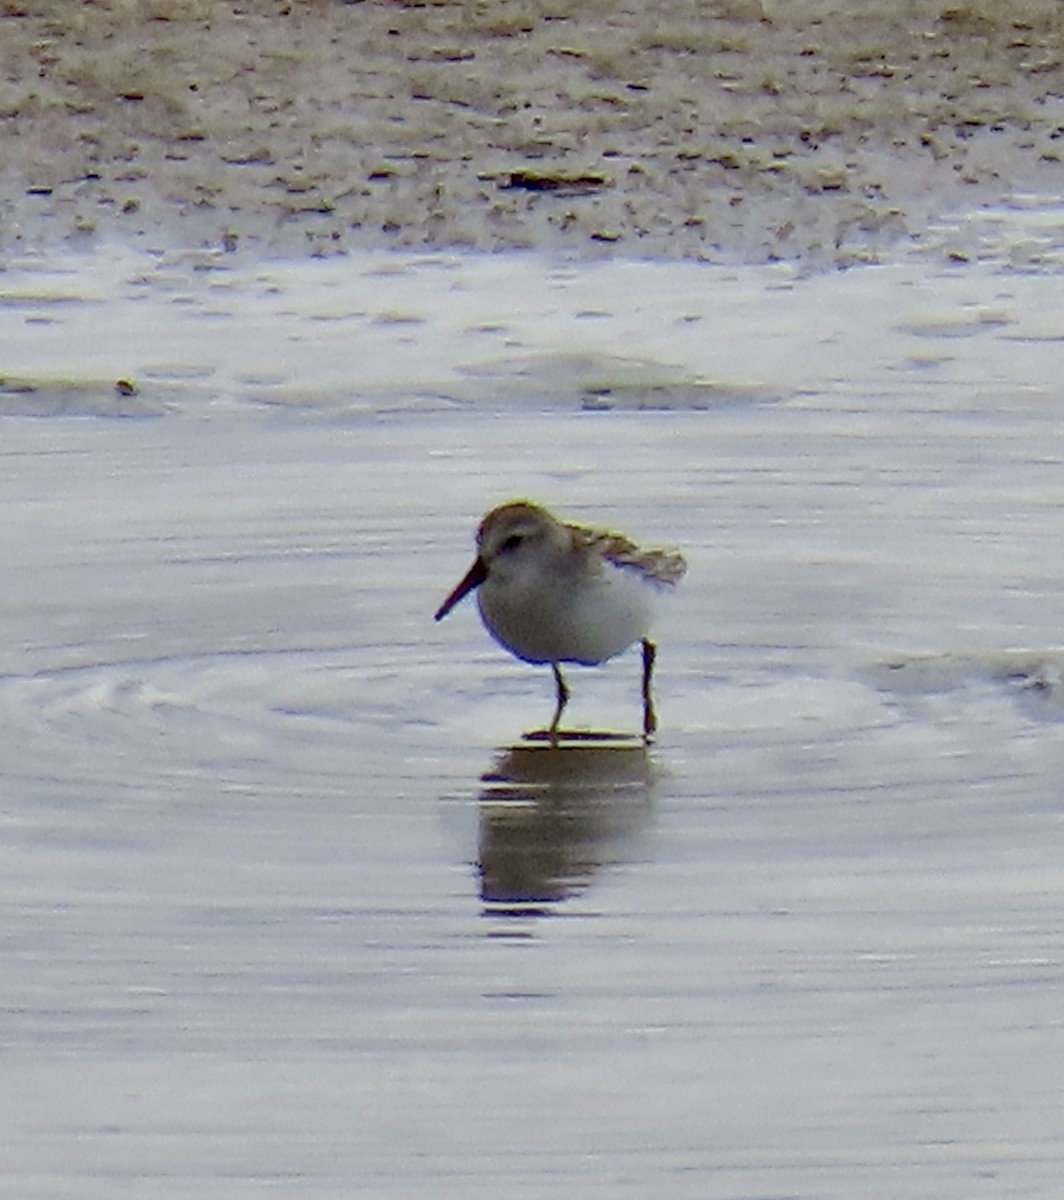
x: 735, y: 130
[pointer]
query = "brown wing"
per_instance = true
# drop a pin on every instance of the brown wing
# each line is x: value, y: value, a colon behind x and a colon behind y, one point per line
x: 664, y: 567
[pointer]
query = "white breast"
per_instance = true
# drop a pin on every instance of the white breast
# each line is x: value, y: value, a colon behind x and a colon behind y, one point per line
x: 542, y: 618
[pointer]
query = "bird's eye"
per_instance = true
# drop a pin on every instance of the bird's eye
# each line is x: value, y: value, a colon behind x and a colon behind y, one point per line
x: 511, y: 543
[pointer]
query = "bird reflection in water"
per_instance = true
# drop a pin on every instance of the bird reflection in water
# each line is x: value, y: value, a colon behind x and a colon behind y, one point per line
x: 552, y: 816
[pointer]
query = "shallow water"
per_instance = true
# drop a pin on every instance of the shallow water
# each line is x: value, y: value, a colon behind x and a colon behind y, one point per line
x: 281, y: 907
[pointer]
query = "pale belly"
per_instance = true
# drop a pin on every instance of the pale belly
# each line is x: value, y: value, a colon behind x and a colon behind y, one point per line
x: 588, y: 624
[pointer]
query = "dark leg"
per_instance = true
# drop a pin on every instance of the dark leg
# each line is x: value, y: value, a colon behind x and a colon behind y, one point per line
x: 563, y: 700
x: 650, y: 717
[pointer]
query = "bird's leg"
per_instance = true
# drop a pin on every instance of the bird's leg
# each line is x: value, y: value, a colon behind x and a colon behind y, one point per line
x: 650, y: 717
x: 563, y: 700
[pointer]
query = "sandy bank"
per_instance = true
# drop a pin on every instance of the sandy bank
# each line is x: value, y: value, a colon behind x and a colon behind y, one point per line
x: 740, y: 129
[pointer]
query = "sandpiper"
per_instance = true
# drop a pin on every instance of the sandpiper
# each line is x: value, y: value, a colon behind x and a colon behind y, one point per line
x: 551, y: 592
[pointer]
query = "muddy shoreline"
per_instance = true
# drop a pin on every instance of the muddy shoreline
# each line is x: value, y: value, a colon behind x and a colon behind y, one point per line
x: 741, y: 130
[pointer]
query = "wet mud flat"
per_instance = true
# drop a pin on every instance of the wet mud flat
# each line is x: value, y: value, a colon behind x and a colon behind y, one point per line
x: 288, y: 902
x: 738, y: 130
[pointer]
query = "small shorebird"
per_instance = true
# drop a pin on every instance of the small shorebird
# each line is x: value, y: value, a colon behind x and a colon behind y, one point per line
x: 552, y: 593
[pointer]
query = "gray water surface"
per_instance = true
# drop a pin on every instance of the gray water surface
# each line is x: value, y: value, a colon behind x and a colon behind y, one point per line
x: 287, y: 905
